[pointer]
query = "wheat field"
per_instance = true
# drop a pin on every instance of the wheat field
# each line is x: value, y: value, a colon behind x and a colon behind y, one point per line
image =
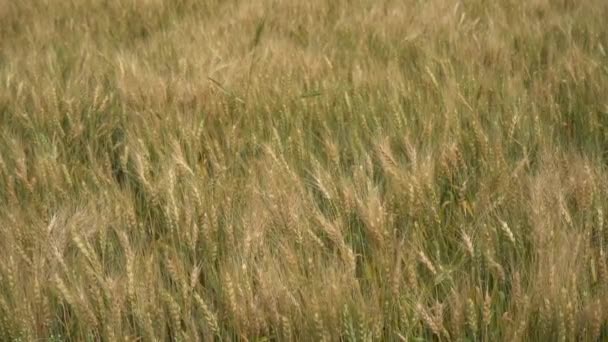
x: 321, y: 170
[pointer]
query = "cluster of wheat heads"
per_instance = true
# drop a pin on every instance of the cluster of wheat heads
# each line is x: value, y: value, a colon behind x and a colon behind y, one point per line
x: 303, y: 170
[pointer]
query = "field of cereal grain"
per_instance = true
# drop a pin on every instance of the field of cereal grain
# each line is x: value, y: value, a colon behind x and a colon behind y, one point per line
x: 321, y: 170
